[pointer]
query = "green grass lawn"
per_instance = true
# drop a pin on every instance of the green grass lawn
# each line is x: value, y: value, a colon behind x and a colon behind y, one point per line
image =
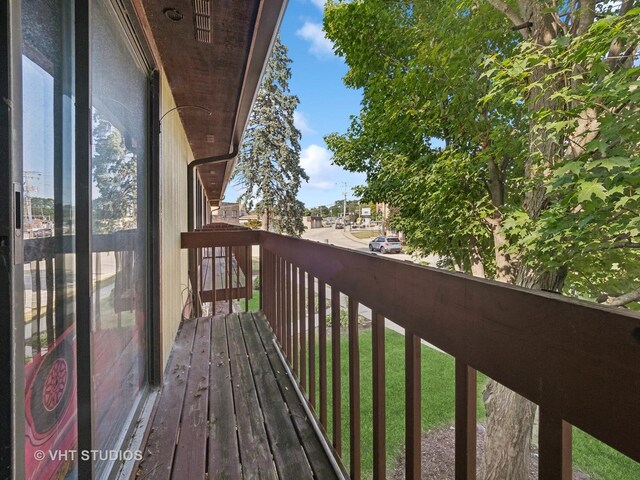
x: 254, y: 303
x: 590, y: 455
x: 365, y: 233
x: 437, y: 395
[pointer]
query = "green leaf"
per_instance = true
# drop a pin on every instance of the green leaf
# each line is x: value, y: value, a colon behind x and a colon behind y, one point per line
x: 590, y: 189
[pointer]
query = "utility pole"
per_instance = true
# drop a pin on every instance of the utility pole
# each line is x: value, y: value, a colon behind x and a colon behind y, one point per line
x: 30, y: 178
x: 344, y: 205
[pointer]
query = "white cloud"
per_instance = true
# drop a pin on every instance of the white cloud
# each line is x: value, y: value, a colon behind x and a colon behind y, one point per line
x: 302, y: 124
x: 320, y: 46
x: 316, y: 161
x: 319, y: 3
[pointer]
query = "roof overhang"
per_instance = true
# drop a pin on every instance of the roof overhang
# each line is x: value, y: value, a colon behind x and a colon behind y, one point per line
x: 214, y: 57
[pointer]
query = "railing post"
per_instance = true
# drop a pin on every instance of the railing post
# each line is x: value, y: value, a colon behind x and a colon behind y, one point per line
x: 554, y: 447
x: 465, y: 443
x: 311, y: 321
x: 303, y: 353
x: 336, y: 379
x: 354, y: 390
x: 248, y: 276
x: 322, y: 345
x: 282, y: 316
x: 276, y: 299
x: 379, y: 407
x: 229, y: 279
x: 294, y: 320
x: 261, y: 275
x: 287, y: 302
x: 412, y: 399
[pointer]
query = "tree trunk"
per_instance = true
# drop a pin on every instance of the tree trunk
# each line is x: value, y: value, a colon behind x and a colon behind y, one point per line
x: 475, y: 259
x: 510, y: 417
x: 508, y: 439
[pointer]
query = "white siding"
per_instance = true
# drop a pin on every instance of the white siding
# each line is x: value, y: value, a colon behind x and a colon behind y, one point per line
x: 175, y: 154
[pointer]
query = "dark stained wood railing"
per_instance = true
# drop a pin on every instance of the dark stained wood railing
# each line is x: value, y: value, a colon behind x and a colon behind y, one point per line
x: 223, y: 272
x: 577, y: 361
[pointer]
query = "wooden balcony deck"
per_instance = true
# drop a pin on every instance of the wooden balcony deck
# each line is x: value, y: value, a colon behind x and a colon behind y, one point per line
x: 227, y: 409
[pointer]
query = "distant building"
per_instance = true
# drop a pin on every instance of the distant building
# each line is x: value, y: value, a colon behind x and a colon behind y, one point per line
x: 312, y: 221
x: 228, y: 212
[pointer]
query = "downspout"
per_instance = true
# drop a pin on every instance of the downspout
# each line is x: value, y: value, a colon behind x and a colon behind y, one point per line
x: 193, y: 266
x: 191, y: 179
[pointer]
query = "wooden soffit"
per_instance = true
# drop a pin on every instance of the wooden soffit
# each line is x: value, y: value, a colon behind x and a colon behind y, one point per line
x: 213, y: 53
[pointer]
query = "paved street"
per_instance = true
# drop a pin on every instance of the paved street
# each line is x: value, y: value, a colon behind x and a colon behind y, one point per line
x: 342, y: 238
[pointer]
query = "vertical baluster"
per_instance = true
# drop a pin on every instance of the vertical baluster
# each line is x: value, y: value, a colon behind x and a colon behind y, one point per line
x: 276, y: 292
x: 229, y: 279
x: 261, y: 276
x: 273, y: 295
x: 265, y: 285
x: 287, y: 307
x: 379, y: 406
x: 554, y: 447
x: 294, y: 319
x: 96, y: 294
x: 412, y: 406
x: 465, y: 444
x: 200, y: 273
x: 38, y: 291
x: 269, y: 279
x: 354, y: 390
x: 237, y: 293
x: 248, y: 277
x: 271, y: 301
x: 214, y: 272
x: 322, y: 345
x: 303, y: 353
x: 283, y: 314
x: 48, y: 266
x: 336, y: 383
x: 312, y: 340
x: 283, y: 296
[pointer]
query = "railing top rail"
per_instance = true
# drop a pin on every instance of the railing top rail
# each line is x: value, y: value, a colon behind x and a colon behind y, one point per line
x: 224, y: 238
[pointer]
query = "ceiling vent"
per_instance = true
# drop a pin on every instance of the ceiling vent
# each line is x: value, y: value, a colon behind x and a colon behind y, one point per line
x: 202, y: 20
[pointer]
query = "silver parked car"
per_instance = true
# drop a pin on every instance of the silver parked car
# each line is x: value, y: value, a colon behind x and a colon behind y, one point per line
x: 386, y: 245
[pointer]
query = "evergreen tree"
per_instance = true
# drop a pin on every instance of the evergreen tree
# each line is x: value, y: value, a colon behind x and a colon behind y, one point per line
x: 269, y: 161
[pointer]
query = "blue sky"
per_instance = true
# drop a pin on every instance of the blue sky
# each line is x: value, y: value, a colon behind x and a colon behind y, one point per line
x: 325, y: 103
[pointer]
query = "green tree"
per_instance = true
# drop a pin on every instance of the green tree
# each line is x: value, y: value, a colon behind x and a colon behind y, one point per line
x: 505, y: 140
x: 42, y: 207
x: 269, y: 162
x: 115, y: 170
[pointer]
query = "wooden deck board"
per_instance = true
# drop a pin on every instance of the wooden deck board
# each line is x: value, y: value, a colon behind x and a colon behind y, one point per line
x: 190, y: 456
x: 159, y: 449
x: 257, y: 461
x: 288, y: 454
x: 228, y: 410
x: 316, y: 456
x: 224, y: 458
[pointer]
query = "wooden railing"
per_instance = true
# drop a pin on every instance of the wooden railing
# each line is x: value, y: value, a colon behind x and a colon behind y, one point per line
x: 220, y: 272
x: 579, y: 362
x: 44, y: 264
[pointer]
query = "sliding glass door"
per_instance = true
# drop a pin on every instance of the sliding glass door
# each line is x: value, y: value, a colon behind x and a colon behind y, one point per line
x: 119, y: 230
x: 54, y: 273
x: 48, y: 232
